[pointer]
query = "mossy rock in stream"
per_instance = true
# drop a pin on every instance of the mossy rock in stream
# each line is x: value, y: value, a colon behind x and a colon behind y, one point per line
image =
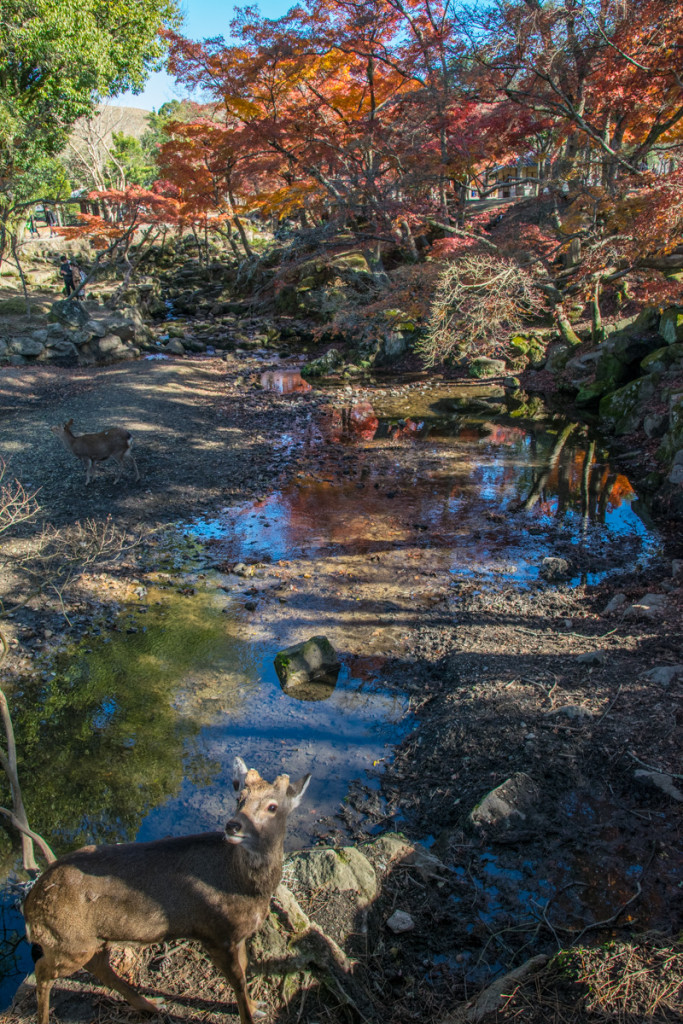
x: 527, y: 407
x: 302, y: 666
x: 626, y: 408
x: 485, y: 367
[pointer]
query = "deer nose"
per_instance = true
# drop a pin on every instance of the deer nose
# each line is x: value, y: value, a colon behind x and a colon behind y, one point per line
x: 233, y: 827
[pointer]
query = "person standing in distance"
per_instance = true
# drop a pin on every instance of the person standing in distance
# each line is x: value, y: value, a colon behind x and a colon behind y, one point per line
x: 67, y: 276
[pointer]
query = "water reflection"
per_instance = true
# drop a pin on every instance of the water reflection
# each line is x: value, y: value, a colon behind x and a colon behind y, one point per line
x: 495, y: 498
x: 286, y: 382
x: 319, y: 688
x: 133, y: 736
x: 102, y: 733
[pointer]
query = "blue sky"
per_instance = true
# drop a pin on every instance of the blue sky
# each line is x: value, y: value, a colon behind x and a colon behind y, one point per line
x: 203, y: 19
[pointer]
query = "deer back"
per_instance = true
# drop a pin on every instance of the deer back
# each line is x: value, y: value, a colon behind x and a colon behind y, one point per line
x: 100, y: 446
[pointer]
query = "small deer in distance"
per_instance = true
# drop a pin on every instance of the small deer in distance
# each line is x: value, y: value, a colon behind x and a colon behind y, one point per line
x: 214, y: 887
x: 113, y: 443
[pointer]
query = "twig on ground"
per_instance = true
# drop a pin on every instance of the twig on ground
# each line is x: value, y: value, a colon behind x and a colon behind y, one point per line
x: 608, y: 920
x: 616, y: 698
x: 659, y: 771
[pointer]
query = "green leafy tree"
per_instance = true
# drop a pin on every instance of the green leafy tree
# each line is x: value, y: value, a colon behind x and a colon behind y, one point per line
x: 57, y: 59
x: 130, y: 163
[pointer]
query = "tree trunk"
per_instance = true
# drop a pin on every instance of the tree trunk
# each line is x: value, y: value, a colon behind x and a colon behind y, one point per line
x: 597, y: 330
x: 15, y: 256
x: 243, y: 237
x: 409, y: 240
x: 18, y: 815
x: 565, y: 328
x: 374, y: 258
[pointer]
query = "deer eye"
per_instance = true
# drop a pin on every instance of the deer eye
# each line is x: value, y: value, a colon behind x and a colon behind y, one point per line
x: 272, y: 808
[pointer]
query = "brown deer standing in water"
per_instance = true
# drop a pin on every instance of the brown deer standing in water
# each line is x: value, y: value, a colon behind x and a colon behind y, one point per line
x: 214, y: 887
x: 113, y: 443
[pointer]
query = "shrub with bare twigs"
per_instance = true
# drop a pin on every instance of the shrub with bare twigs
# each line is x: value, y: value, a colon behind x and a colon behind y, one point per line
x: 60, y: 557
x: 480, y: 298
x: 17, y: 505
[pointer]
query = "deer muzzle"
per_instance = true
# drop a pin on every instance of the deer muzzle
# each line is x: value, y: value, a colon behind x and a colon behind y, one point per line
x: 233, y: 831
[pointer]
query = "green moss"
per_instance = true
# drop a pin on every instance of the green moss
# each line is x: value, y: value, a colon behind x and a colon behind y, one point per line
x: 520, y: 343
x: 663, y: 358
x: 483, y: 367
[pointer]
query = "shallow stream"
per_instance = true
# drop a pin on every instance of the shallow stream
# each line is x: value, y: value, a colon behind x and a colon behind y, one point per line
x: 404, y: 498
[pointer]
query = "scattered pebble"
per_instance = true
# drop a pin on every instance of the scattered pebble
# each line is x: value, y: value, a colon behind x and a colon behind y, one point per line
x: 400, y: 921
x: 651, y: 606
x: 617, y: 602
x: 593, y: 658
x: 554, y: 568
x: 664, y: 675
x: 658, y: 780
x: 575, y: 711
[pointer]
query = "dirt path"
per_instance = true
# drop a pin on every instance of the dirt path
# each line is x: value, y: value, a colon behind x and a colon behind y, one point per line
x: 200, y: 437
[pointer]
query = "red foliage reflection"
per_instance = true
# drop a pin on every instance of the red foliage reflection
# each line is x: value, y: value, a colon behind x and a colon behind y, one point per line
x: 285, y: 381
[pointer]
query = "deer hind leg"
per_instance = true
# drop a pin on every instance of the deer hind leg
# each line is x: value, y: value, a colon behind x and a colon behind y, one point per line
x: 45, y: 979
x: 48, y: 968
x: 231, y: 960
x: 99, y: 966
x: 128, y: 455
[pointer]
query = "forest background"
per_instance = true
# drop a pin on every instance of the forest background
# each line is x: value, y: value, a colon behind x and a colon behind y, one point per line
x: 382, y: 126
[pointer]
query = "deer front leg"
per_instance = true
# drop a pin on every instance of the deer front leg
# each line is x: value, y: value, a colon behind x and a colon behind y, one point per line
x: 131, y: 458
x: 50, y: 966
x: 231, y: 961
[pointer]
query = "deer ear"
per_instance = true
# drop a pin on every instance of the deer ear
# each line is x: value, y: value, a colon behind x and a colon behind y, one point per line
x: 296, y: 791
x: 69, y: 423
x: 239, y: 774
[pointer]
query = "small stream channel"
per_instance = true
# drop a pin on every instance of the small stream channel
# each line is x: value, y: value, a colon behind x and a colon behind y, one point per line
x: 133, y: 733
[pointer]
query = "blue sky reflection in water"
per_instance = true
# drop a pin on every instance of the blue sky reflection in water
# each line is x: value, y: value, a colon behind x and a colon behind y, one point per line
x: 336, y: 739
x: 494, y: 499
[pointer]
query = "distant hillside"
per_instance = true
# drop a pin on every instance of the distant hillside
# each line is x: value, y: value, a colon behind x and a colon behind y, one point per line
x: 89, y: 147
x: 129, y: 120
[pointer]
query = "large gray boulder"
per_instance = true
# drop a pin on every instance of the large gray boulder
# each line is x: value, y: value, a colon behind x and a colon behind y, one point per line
x: 69, y: 312
x: 343, y: 870
x: 175, y: 347
x: 55, y: 332
x: 27, y: 347
x: 62, y: 353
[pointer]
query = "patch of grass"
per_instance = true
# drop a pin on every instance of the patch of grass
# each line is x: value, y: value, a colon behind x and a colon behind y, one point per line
x: 624, y: 982
x: 9, y: 307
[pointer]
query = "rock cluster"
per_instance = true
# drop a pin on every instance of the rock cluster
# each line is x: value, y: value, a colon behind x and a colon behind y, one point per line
x: 75, y: 338
x: 633, y: 376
